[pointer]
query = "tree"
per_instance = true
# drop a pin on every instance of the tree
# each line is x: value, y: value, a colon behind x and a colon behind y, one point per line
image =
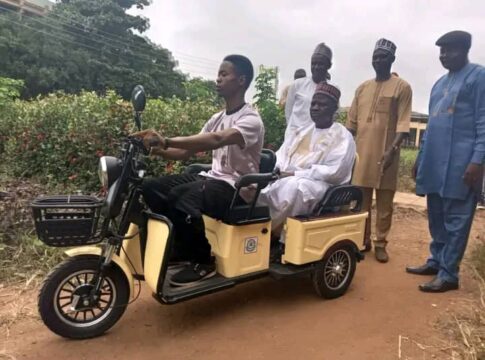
x: 86, y: 44
x: 267, y: 105
x: 200, y: 89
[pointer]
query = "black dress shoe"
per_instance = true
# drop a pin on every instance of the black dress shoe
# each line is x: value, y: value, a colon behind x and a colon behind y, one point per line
x: 422, y: 270
x: 438, y: 285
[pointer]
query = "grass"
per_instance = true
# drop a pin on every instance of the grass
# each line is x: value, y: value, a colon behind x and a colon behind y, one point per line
x: 27, y: 261
x: 466, y: 323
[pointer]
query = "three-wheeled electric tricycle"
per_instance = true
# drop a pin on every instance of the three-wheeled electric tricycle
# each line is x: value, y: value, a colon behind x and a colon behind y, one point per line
x: 117, y: 240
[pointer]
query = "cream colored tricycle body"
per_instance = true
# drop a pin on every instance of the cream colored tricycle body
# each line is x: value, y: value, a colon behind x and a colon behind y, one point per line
x: 87, y: 294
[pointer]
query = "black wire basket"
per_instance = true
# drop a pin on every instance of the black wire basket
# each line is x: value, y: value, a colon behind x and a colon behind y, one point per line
x: 67, y: 220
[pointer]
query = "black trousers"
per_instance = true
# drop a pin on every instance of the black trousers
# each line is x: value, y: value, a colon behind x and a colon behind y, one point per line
x: 183, y: 199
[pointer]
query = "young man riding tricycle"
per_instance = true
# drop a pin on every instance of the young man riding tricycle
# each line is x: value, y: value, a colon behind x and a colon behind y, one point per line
x: 210, y: 219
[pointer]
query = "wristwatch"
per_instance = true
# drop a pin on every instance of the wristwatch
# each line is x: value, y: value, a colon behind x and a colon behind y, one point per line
x: 395, y: 148
x: 165, y: 147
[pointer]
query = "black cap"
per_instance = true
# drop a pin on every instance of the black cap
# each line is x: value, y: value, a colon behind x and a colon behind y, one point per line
x: 461, y: 38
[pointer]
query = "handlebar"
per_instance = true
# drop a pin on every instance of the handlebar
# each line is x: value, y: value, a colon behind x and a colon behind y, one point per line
x: 138, y: 143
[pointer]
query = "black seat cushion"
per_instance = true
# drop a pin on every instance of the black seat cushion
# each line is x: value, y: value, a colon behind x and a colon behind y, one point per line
x: 239, y: 215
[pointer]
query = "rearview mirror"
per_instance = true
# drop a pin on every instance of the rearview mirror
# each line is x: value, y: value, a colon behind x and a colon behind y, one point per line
x: 138, y: 98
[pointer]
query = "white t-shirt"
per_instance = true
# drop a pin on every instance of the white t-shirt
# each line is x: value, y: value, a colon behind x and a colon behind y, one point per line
x: 232, y: 161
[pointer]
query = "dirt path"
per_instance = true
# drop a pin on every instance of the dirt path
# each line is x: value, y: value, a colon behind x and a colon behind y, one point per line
x: 267, y: 319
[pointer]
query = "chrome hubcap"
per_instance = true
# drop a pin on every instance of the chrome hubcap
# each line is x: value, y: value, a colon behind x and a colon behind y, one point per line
x: 74, y: 303
x: 337, y: 269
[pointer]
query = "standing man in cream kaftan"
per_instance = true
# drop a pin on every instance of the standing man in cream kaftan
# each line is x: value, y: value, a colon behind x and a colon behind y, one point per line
x: 311, y: 160
x: 379, y: 118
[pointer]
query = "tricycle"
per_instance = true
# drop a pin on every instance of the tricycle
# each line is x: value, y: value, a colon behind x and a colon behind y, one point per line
x: 117, y: 240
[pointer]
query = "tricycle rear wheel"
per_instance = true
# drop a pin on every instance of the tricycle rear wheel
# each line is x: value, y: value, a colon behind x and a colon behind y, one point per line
x: 335, y: 272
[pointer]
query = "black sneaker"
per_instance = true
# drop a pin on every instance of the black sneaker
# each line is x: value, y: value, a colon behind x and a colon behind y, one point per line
x: 192, y: 274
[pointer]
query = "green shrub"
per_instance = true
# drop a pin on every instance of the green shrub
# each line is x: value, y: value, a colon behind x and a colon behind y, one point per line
x: 59, y: 139
x: 406, y: 163
x: 272, y: 115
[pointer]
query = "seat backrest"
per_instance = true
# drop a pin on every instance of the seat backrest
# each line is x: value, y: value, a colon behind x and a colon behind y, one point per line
x: 268, y: 161
x: 338, y: 196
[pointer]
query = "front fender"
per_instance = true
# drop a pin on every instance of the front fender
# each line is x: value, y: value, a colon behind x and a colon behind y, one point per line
x: 97, y: 251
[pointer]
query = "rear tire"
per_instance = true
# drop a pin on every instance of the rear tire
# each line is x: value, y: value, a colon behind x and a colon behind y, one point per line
x: 63, y: 289
x: 335, y: 272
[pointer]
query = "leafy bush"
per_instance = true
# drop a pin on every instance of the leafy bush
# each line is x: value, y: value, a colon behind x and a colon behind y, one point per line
x: 406, y: 163
x: 9, y: 89
x: 59, y: 138
x: 272, y: 115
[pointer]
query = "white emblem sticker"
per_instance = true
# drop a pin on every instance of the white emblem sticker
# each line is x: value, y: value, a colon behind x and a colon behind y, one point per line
x: 250, y: 245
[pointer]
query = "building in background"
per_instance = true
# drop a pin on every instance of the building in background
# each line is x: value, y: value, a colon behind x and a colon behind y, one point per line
x: 27, y: 7
x: 416, y: 129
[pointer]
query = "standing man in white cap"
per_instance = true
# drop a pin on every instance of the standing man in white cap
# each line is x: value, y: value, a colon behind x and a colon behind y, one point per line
x: 300, y: 93
x: 379, y: 118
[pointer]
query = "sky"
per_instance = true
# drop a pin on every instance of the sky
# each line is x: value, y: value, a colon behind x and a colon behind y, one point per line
x: 284, y: 33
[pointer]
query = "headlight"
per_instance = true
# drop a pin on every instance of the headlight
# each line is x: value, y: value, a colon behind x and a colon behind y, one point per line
x: 109, y: 170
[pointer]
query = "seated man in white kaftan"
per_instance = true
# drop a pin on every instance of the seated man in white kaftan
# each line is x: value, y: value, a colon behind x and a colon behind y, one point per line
x: 313, y: 159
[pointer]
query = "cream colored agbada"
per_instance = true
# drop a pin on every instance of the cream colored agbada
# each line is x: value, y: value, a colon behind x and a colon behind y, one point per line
x: 379, y: 111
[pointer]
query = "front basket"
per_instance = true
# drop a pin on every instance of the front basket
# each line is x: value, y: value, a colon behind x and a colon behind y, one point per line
x: 67, y: 220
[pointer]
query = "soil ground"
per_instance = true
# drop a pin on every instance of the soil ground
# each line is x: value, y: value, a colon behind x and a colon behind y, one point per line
x: 383, y: 314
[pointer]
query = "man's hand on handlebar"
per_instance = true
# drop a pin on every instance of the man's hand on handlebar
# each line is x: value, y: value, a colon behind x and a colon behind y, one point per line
x: 152, y: 140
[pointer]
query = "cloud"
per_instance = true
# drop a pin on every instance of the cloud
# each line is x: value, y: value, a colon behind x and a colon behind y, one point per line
x: 284, y: 33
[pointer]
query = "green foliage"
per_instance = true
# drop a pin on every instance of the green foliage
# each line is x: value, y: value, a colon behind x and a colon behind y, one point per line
x: 198, y: 89
x: 273, y: 116
x: 341, y: 116
x: 59, y: 139
x: 9, y: 89
x: 406, y: 163
x: 86, y: 44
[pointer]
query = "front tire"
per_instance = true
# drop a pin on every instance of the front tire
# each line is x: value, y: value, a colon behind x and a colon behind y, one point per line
x: 335, y: 272
x: 65, y: 307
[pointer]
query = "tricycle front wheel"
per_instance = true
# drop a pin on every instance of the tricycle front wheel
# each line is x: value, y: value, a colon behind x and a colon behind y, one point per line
x: 68, y: 306
x: 335, y: 272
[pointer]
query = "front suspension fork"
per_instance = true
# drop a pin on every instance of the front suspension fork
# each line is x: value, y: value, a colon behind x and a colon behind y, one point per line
x: 105, y: 260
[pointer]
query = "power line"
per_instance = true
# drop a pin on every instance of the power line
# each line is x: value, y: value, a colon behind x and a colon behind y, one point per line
x: 91, y: 38
x: 134, y: 56
x: 117, y: 38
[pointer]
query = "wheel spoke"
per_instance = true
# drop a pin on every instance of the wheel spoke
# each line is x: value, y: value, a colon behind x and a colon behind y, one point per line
x: 66, y: 304
x: 75, y: 316
x: 72, y: 285
x: 65, y: 297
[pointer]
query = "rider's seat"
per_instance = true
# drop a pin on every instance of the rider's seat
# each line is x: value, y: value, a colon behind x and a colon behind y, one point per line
x: 247, y: 213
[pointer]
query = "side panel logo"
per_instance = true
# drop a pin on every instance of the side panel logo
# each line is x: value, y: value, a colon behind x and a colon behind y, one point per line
x: 250, y: 245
